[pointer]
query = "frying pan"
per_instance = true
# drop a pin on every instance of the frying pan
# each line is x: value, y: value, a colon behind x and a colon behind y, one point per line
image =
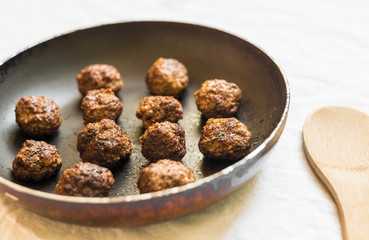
x: 49, y: 69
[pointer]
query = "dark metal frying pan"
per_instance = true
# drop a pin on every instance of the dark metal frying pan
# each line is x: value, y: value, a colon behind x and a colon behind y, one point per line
x: 49, y: 68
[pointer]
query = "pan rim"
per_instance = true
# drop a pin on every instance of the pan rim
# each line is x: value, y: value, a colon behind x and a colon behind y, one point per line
x: 270, y: 140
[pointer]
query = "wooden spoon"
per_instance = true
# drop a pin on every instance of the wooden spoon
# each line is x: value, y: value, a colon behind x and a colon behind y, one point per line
x: 336, y: 142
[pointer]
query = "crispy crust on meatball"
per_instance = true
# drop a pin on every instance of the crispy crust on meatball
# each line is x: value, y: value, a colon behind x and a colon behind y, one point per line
x: 100, y: 104
x: 163, y: 175
x: 154, y: 109
x: 98, y: 76
x: 37, y: 116
x: 218, y: 98
x: 85, y: 180
x: 164, y: 140
x: 36, y: 161
x: 225, y: 139
x: 167, y: 77
x: 103, y: 143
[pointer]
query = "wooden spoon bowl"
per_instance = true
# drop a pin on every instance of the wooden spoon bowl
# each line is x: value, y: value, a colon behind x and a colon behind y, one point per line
x: 336, y: 142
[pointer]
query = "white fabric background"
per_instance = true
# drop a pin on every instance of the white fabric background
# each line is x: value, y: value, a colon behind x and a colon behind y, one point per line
x: 322, y: 46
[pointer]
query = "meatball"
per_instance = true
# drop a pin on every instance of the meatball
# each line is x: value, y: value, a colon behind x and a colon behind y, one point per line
x: 225, y: 139
x: 167, y: 77
x: 100, y: 104
x: 163, y: 140
x: 85, y: 180
x: 103, y: 143
x: 37, y: 116
x: 163, y: 175
x: 159, y: 109
x: 218, y: 98
x: 98, y: 76
x: 36, y: 161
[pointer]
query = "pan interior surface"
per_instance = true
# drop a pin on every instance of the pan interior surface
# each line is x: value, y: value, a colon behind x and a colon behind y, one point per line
x: 49, y: 70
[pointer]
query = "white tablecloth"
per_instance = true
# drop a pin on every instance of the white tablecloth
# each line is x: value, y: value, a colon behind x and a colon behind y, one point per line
x: 322, y: 46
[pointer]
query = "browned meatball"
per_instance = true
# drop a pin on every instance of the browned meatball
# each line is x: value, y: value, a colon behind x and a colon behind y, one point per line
x: 100, y: 104
x: 98, y: 76
x: 225, y: 139
x: 36, y: 161
x: 37, y: 116
x: 218, y: 98
x: 163, y: 140
x: 159, y: 109
x: 103, y: 143
x: 163, y: 175
x: 167, y: 77
x: 85, y: 180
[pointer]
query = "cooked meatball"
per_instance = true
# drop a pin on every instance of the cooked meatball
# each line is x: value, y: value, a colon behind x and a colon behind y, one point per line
x: 100, y: 104
x: 225, y: 139
x: 218, y: 98
x: 85, y: 180
x: 163, y: 175
x: 103, y: 143
x: 37, y: 116
x: 36, y: 161
x: 98, y: 76
x: 167, y: 77
x: 163, y: 140
x: 159, y: 109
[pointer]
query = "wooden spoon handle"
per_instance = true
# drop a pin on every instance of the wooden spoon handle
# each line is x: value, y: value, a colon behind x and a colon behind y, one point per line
x: 353, y: 205
x: 356, y: 221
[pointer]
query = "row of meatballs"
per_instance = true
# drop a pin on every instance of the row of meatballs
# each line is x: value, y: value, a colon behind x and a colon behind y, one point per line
x: 104, y: 143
